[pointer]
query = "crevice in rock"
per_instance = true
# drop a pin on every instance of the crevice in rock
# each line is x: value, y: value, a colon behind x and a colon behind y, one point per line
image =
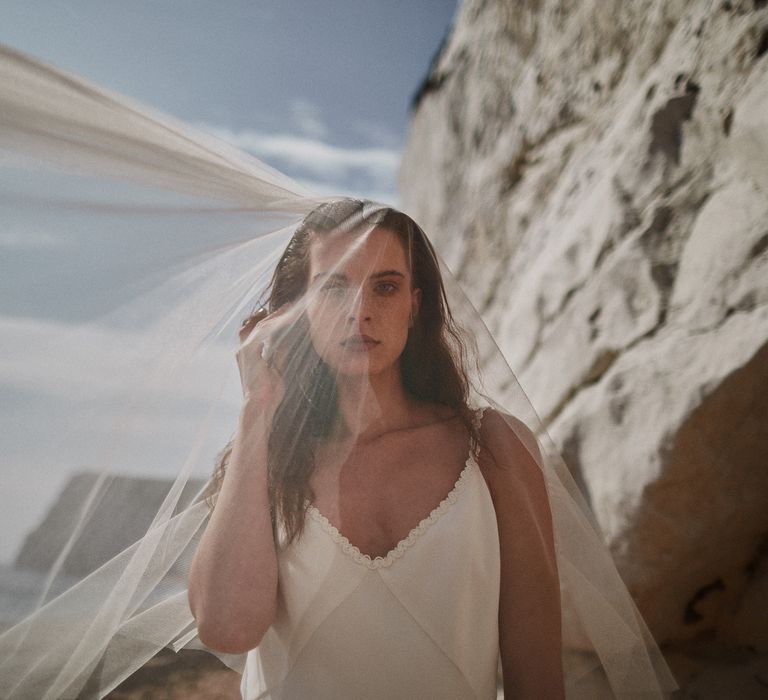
x: 571, y: 453
x: 690, y: 615
x: 630, y: 220
x: 747, y: 304
x: 728, y: 122
x: 605, y: 250
x: 667, y: 123
x: 759, y: 246
x: 594, y: 329
x: 762, y: 44
x: 599, y: 367
x: 663, y: 245
x: 499, y: 276
x: 512, y: 174
x: 653, y: 236
x: 534, y: 347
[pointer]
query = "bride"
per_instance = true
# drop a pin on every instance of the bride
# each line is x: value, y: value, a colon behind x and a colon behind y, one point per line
x: 379, y: 526
x: 369, y: 439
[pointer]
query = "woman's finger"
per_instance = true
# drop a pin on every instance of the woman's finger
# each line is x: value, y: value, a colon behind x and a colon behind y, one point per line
x: 250, y: 322
x: 262, y: 316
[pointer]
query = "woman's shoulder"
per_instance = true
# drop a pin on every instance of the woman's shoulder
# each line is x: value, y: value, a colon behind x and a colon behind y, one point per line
x: 509, y: 451
x: 502, y: 429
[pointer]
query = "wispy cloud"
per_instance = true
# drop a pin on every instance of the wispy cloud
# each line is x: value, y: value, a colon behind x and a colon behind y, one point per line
x: 324, y: 189
x: 31, y: 240
x: 370, y: 171
x: 379, y: 134
x: 98, y: 364
x: 308, y: 118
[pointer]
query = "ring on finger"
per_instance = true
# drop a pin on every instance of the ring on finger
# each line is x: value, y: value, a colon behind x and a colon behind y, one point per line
x: 267, y: 354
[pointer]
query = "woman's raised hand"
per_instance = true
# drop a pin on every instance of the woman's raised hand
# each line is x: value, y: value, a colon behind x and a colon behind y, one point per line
x: 257, y: 359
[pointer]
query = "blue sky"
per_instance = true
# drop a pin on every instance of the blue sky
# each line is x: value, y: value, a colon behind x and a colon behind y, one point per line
x: 319, y: 90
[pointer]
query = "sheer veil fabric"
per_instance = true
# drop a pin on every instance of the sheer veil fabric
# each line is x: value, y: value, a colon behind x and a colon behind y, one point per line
x: 210, y: 224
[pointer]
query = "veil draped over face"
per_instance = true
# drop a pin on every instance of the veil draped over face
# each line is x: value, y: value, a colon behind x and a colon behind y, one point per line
x: 123, y: 389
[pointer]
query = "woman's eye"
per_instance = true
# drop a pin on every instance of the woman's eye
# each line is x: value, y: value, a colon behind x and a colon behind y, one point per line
x: 386, y: 287
x: 332, y: 287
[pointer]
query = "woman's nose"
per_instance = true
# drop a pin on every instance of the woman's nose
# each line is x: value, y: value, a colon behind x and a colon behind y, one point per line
x: 359, y: 307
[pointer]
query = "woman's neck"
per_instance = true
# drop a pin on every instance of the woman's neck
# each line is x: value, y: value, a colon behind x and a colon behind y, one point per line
x: 373, y: 405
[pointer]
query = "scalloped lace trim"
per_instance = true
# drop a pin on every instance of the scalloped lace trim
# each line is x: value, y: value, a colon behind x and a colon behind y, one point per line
x: 405, y: 544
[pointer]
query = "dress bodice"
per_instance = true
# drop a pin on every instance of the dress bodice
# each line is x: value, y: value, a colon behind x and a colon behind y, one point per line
x: 420, y: 622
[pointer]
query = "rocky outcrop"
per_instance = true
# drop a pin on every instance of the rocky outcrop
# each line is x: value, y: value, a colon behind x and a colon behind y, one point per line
x: 82, y: 525
x: 186, y: 675
x: 596, y: 174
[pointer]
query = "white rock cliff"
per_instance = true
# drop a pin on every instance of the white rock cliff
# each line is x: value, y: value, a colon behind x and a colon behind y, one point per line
x: 596, y: 173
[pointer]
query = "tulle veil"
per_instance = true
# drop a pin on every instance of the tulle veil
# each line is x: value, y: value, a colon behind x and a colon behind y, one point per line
x: 150, y: 371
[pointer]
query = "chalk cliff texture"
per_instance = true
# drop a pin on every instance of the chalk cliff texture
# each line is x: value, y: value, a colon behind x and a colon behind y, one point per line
x: 596, y: 173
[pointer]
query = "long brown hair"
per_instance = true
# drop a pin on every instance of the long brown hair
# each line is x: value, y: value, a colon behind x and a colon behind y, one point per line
x: 432, y: 363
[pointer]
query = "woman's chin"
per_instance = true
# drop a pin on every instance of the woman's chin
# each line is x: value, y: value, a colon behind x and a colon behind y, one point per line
x: 355, y: 367
x: 351, y: 366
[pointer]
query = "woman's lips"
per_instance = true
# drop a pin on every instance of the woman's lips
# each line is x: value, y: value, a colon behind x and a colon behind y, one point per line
x: 363, y: 342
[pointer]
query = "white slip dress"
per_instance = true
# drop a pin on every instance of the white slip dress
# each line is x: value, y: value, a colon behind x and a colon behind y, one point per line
x: 420, y: 622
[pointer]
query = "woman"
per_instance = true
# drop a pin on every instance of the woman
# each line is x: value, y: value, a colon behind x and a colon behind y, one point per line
x: 317, y: 572
x: 364, y: 284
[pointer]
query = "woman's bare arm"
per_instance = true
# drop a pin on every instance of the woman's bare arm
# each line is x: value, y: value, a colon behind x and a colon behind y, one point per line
x: 233, y: 578
x: 530, y: 637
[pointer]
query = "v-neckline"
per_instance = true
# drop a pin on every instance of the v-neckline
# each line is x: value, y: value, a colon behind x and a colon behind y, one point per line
x: 407, y: 542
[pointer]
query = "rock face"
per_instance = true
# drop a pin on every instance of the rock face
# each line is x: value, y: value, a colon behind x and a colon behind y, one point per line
x: 97, y: 502
x: 596, y: 174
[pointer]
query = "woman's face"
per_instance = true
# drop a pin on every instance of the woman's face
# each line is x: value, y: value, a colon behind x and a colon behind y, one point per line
x: 360, y: 300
